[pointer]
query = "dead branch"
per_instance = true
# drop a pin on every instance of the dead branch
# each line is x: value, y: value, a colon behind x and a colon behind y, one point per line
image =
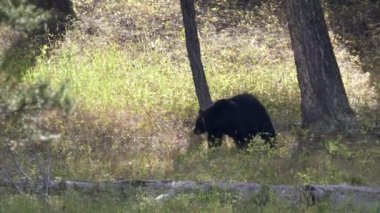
x: 309, y: 194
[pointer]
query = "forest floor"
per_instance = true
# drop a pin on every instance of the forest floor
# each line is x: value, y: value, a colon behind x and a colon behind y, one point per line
x: 126, y: 70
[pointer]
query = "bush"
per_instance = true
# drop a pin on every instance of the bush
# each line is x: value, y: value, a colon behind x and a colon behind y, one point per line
x: 25, y: 138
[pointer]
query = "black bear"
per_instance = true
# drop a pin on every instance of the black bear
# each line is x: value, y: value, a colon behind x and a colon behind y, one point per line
x: 241, y: 117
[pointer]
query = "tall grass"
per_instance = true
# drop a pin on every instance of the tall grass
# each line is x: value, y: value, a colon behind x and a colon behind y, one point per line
x: 108, y: 78
x: 137, y: 99
x: 215, y: 201
x: 129, y: 76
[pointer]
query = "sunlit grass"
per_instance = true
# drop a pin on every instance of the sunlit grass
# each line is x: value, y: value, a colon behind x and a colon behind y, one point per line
x: 156, y: 94
x: 136, y: 106
x: 111, y: 79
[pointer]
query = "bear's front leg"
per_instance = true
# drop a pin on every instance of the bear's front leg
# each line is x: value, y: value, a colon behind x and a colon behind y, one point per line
x: 214, y: 140
x: 242, y: 142
x: 269, y: 138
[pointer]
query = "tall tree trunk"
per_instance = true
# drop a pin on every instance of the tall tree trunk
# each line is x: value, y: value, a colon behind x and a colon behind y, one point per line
x: 325, y: 106
x: 194, y: 54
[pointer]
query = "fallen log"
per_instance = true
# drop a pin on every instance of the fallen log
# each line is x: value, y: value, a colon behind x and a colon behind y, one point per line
x: 311, y: 194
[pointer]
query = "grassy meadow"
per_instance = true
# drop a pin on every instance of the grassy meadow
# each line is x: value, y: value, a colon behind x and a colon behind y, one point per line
x: 125, y: 67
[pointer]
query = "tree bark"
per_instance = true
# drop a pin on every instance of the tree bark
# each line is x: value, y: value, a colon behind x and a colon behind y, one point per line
x: 194, y: 54
x: 325, y: 107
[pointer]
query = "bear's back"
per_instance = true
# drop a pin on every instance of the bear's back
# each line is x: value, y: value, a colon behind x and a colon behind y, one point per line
x: 248, y: 103
x: 253, y: 113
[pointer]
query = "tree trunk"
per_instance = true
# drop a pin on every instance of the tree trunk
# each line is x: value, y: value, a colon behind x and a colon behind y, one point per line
x: 324, y: 103
x: 194, y: 54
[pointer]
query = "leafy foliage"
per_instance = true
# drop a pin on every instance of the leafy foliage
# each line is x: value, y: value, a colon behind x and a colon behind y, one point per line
x: 25, y: 138
x: 22, y: 14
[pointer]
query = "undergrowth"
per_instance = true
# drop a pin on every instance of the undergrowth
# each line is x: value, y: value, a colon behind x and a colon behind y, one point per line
x: 129, y: 77
x: 135, y: 99
x: 214, y: 201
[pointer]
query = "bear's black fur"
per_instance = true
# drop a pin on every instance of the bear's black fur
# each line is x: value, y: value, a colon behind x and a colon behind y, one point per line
x: 241, y: 117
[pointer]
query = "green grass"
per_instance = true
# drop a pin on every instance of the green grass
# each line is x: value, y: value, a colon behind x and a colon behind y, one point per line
x: 214, y: 201
x: 136, y: 106
x: 136, y: 103
x: 112, y: 78
x: 154, y: 94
